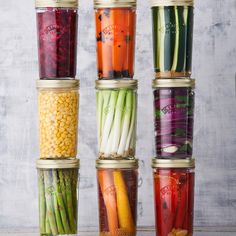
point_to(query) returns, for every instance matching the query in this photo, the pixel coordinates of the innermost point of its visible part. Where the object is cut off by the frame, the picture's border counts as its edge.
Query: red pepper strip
(182, 201)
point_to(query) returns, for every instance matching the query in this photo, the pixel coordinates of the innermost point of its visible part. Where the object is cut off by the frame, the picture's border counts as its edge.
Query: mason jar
(115, 35)
(57, 38)
(117, 197)
(172, 22)
(58, 196)
(58, 118)
(174, 196)
(173, 117)
(116, 118)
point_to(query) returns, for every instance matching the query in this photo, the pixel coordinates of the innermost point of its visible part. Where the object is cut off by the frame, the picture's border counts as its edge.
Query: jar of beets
(174, 196)
(57, 38)
(115, 35)
(173, 117)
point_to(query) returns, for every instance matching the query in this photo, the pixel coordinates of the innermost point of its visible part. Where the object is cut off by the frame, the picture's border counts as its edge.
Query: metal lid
(57, 84)
(112, 84)
(58, 164)
(173, 83)
(167, 163)
(56, 3)
(114, 3)
(113, 164)
(165, 3)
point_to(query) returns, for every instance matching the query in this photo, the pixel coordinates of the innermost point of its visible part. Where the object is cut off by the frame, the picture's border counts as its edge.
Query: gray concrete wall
(215, 123)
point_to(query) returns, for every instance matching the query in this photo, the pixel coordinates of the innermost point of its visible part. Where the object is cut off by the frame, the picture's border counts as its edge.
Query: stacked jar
(58, 104)
(173, 91)
(116, 98)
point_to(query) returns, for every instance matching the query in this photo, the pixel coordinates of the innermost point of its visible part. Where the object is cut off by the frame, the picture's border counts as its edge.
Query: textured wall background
(215, 126)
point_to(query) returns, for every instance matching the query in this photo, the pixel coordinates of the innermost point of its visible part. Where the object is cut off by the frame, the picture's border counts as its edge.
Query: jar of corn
(58, 118)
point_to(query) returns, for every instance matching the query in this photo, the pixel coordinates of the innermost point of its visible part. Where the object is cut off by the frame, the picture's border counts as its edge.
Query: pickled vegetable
(115, 33)
(57, 42)
(116, 118)
(117, 202)
(58, 117)
(58, 201)
(174, 200)
(174, 117)
(172, 40)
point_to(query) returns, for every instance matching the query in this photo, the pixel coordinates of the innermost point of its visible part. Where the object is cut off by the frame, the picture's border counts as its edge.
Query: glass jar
(57, 38)
(174, 196)
(172, 37)
(116, 118)
(173, 117)
(117, 193)
(115, 35)
(58, 118)
(58, 196)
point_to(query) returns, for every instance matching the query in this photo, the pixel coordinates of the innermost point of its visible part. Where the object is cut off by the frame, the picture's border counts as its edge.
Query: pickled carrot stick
(123, 206)
(126, 45)
(106, 183)
(131, 43)
(106, 59)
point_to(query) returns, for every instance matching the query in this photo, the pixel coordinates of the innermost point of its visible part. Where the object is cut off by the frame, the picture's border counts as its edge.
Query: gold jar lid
(58, 164)
(56, 3)
(114, 3)
(173, 83)
(113, 84)
(178, 163)
(117, 164)
(41, 84)
(166, 3)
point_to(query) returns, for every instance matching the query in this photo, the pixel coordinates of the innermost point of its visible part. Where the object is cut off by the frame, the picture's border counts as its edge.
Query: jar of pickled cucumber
(58, 102)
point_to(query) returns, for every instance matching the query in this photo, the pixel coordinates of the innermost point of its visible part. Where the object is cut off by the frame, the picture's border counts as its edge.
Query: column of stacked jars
(58, 104)
(173, 91)
(116, 117)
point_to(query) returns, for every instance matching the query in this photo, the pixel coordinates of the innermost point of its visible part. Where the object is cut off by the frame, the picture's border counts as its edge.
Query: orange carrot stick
(105, 178)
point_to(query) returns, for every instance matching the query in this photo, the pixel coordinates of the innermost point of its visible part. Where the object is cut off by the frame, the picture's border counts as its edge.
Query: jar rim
(56, 3)
(166, 3)
(58, 164)
(41, 84)
(173, 163)
(114, 164)
(112, 84)
(114, 3)
(173, 83)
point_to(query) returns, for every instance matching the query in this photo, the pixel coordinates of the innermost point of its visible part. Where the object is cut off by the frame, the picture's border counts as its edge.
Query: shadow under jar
(172, 22)
(173, 117)
(57, 38)
(58, 196)
(116, 118)
(117, 193)
(58, 118)
(174, 196)
(115, 35)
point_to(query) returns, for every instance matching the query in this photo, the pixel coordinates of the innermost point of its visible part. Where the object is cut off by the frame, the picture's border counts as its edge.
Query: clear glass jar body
(116, 122)
(58, 122)
(58, 201)
(117, 192)
(174, 201)
(173, 119)
(115, 34)
(57, 42)
(172, 40)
